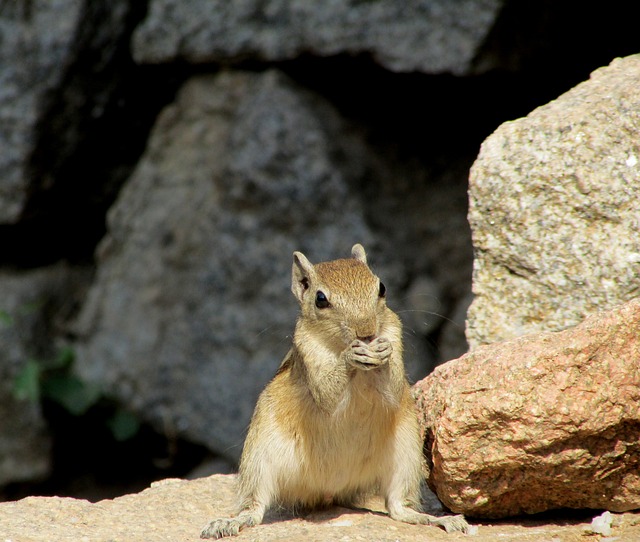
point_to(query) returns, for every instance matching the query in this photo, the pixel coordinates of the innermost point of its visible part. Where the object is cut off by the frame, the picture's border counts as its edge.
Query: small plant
(54, 380)
(5, 318)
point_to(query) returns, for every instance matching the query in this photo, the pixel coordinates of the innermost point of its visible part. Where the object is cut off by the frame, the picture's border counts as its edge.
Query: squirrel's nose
(365, 329)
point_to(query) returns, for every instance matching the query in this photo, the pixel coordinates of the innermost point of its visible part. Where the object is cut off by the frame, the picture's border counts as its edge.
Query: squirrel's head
(342, 299)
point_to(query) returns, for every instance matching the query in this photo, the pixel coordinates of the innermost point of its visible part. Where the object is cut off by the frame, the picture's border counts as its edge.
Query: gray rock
(554, 210)
(35, 48)
(428, 35)
(191, 310)
(57, 76)
(31, 302)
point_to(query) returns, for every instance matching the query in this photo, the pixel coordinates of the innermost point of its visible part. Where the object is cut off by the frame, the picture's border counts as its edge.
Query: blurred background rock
(161, 160)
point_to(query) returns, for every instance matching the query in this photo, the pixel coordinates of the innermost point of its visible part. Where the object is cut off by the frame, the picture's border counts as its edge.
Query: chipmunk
(337, 422)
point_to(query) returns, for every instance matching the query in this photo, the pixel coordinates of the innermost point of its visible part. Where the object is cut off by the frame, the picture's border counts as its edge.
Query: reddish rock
(543, 421)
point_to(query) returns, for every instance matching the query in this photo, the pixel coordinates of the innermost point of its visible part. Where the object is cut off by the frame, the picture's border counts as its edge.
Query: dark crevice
(560, 42)
(88, 463)
(93, 130)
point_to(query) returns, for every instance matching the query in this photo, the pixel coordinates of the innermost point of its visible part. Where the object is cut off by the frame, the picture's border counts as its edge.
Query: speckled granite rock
(545, 421)
(554, 210)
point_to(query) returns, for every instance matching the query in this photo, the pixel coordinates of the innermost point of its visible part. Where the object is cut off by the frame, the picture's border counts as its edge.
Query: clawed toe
(220, 528)
(453, 524)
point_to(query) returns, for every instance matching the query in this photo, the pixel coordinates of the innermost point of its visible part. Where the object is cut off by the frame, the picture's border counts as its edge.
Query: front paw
(453, 524)
(370, 355)
(219, 528)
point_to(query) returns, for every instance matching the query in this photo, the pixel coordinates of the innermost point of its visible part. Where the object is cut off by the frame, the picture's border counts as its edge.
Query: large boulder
(549, 420)
(554, 210)
(431, 36)
(191, 310)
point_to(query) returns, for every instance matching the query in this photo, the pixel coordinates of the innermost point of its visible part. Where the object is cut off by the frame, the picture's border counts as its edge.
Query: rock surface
(35, 47)
(540, 422)
(190, 311)
(30, 303)
(554, 210)
(57, 77)
(176, 510)
(428, 36)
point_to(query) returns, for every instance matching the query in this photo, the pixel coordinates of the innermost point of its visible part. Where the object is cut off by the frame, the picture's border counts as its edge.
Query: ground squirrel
(337, 422)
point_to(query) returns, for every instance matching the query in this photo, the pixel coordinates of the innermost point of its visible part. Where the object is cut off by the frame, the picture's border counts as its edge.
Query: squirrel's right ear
(302, 274)
(357, 252)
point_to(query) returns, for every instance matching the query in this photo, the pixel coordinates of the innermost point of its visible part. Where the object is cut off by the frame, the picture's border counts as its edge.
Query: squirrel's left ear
(302, 275)
(358, 253)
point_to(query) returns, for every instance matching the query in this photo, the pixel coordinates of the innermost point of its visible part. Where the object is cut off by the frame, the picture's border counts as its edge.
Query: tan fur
(337, 422)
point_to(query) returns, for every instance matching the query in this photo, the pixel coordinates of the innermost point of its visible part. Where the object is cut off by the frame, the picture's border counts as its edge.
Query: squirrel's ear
(358, 253)
(302, 274)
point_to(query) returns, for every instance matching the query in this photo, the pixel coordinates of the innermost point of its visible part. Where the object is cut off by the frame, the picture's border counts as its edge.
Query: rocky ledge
(174, 510)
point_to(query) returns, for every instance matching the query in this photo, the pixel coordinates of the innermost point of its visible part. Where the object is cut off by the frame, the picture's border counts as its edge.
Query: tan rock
(175, 511)
(539, 422)
(553, 207)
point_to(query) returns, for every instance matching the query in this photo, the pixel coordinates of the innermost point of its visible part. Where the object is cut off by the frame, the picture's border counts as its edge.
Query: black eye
(383, 290)
(321, 300)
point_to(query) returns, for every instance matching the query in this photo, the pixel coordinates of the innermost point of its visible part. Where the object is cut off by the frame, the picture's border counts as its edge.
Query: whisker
(265, 330)
(430, 313)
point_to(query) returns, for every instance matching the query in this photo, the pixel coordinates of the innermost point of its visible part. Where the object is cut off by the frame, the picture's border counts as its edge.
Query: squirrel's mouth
(349, 334)
(367, 366)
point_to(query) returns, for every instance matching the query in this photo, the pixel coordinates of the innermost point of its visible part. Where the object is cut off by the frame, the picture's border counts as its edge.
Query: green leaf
(30, 308)
(26, 385)
(65, 358)
(123, 425)
(71, 393)
(5, 318)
